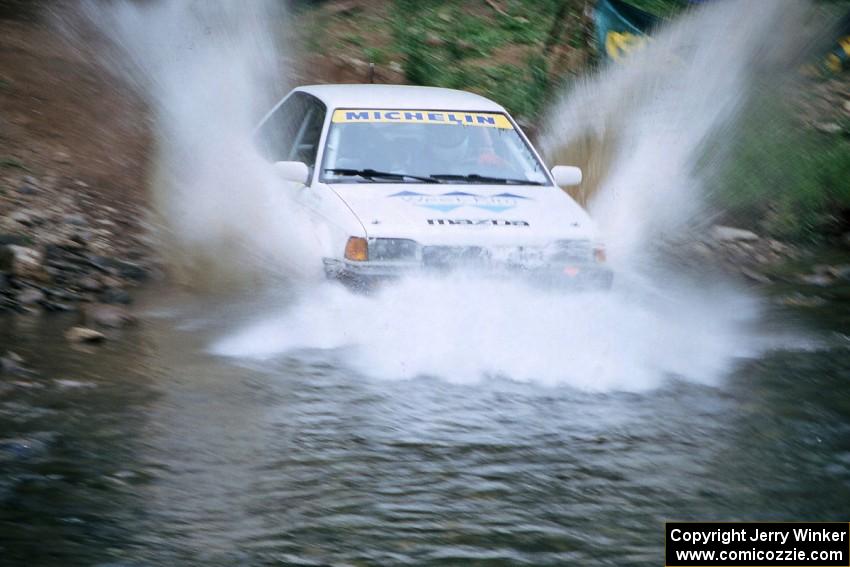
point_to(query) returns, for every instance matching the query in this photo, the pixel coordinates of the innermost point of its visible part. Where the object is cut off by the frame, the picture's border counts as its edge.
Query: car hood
(466, 214)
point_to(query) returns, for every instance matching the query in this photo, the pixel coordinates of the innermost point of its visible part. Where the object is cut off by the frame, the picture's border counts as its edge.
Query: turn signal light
(357, 249)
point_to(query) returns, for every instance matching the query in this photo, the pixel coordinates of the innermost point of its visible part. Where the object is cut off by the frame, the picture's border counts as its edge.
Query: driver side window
(293, 130)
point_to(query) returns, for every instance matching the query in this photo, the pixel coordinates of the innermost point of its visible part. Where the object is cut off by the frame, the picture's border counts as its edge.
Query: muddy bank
(73, 157)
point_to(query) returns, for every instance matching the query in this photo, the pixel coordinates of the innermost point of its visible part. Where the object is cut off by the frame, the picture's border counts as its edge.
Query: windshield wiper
(476, 178)
(372, 173)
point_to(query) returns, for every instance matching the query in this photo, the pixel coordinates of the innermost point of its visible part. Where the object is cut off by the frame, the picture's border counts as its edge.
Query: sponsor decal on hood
(479, 222)
(447, 202)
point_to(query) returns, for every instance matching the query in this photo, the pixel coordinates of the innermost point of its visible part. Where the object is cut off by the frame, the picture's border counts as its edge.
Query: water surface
(152, 451)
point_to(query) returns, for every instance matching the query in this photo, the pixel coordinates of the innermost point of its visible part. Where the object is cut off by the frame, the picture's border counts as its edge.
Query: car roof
(399, 96)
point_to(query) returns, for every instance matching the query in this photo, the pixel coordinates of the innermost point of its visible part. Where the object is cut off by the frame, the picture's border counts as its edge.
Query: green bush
(790, 178)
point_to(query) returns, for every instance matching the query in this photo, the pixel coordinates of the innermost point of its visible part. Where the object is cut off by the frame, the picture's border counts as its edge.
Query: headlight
(383, 249)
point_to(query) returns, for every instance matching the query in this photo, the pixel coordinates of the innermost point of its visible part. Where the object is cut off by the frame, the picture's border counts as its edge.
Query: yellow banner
(482, 119)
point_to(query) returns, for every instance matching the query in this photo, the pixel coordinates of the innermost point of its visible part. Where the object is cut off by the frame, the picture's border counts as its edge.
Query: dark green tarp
(620, 27)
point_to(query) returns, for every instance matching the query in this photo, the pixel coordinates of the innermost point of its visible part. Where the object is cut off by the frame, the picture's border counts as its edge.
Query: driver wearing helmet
(455, 150)
(449, 148)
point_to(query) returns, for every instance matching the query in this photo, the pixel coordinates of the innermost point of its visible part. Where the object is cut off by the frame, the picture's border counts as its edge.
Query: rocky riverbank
(73, 155)
(60, 248)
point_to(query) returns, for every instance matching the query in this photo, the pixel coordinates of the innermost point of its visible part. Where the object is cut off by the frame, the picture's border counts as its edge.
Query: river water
(441, 423)
(154, 449)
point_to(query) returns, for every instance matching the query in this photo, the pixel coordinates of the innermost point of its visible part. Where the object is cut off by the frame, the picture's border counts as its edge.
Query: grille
(573, 251)
(451, 256)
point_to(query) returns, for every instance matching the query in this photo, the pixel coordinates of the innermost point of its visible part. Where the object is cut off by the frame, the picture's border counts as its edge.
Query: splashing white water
(661, 106)
(209, 70)
(651, 117)
(463, 330)
(204, 67)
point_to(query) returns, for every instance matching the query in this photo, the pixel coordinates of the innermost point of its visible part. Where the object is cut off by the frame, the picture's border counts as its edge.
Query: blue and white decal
(458, 199)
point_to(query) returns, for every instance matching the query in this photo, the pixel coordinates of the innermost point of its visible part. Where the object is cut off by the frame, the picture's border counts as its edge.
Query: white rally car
(402, 178)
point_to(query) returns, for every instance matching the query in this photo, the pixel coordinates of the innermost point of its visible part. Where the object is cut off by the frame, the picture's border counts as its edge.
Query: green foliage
(794, 180)
(528, 21)
(444, 45)
(13, 163)
(522, 90)
(354, 39)
(375, 55)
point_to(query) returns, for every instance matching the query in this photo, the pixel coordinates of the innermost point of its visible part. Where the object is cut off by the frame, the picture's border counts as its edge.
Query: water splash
(649, 121)
(641, 128)
(468, 329)
(206, 69)
(209, 70)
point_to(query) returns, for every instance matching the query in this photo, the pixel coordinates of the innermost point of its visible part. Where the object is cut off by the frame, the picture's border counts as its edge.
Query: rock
(464, 45)
(7, 258)
(89, 283)
(847, 105)
(12, 364)
(64, 294)
(755, 276)
(31, 296)
(14, 449)
(343, 8)
(28, 263)
(109, 281)
(433, 40)
(115, 295)
(799, 300)
(62, 157)
(75, 219)
(59, 307)
(731, 234)
(778, 247)
(68, 267)
(820, 280)
(123, 268)
(16, 239)
(27, 189)
(840, 272)
(67, 384)
(828, 127)
(108, 316)
(25, 217)
(84, 335)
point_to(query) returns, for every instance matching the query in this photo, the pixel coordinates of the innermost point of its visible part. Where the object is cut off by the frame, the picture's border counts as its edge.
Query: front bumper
(368, 275)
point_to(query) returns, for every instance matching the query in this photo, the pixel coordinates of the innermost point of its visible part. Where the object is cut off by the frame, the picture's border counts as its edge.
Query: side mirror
(566, 175)
(295, 171)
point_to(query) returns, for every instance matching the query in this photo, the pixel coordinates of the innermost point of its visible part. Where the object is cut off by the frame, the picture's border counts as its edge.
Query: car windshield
(427, 146)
